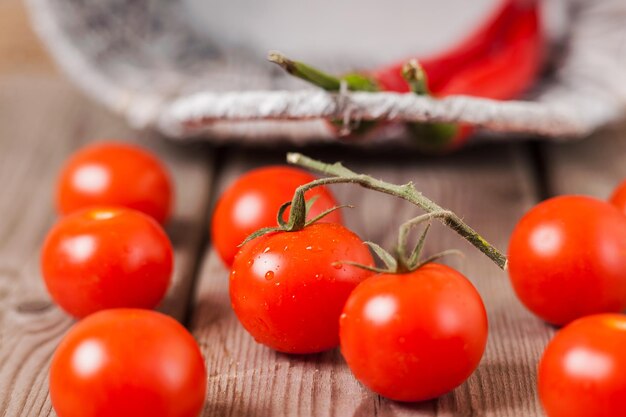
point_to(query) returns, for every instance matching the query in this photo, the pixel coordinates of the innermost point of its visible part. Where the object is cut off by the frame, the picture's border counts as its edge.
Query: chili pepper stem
(305, 72)
(348, 82)
(337, 173)
(416, 77)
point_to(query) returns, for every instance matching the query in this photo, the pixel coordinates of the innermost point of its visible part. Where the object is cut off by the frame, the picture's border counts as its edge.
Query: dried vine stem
(337, 173)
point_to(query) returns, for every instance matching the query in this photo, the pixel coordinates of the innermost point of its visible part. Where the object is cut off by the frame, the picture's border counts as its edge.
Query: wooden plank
(593, 166)
(491, 188)
(20, 50)
(42, 121)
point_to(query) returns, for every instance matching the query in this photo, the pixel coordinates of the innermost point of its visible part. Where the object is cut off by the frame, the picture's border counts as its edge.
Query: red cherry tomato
(583, 370)
(288, 290)
(127, 363)
(567, 259)
(103, 258)
(115, 174)
(618, 199)
(252, 202)
(415, 336)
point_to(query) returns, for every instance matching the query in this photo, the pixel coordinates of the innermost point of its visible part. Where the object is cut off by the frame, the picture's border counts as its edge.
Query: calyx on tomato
(336, 173)
(297, 220)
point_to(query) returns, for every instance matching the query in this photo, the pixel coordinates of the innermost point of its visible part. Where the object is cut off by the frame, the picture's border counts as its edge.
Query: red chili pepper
(508, 48)
(499, 61)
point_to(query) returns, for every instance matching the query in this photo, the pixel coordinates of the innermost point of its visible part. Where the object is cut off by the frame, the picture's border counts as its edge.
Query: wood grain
(41, 122)
(20, 50)
(490, 188)
(594, 166)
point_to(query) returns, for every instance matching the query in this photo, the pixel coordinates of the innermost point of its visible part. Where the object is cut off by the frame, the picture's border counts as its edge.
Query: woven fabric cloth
(145, 60)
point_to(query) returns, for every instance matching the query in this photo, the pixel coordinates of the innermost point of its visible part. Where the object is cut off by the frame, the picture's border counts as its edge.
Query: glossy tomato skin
(101, 258)
(583, 370)
(618, 198)
(115, 174)
(414, 336)
(567, 259)
(288, 291)
(252, 203)
(127, 363)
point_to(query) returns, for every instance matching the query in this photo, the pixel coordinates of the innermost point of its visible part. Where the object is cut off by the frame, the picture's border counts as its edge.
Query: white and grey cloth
(147, 60)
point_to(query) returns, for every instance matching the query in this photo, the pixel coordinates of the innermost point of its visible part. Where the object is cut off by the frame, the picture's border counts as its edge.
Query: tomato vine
(337, 174)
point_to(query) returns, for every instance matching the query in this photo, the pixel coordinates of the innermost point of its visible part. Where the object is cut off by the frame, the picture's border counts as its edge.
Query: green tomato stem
(337, 173)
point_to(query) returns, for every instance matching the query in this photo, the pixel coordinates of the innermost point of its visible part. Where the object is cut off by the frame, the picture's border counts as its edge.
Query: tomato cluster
(301, 282)
(108, 261)
(408, 336)
(416, 334)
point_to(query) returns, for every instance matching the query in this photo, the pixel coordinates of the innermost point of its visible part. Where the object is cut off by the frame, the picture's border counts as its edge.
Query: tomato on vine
(566, 259)
(115, 174)
(288, 287)
(418, 329)
(583, 369)
(127, 363)
(414, 336)
(414, 332)
(102, 258)
(618, 198)
(252, 202)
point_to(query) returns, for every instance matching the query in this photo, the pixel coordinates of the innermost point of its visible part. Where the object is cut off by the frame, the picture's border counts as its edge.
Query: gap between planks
(594, 166)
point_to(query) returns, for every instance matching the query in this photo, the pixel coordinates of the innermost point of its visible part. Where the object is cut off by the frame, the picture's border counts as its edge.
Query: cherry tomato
(115, 174)
(567, 259)
(618, 199)
(101, 258)
(414, 336)
(252, 202)
(127, 363)
(583, 370)
(288, 288)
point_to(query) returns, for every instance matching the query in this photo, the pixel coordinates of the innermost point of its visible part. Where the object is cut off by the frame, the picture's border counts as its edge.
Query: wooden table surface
(43, 120)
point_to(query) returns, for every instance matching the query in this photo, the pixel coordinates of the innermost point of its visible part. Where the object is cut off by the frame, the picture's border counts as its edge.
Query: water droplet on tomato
(337, 265)
(267, 249)
(250, 262)
(285, 248)
(269, 275)
(309, 247)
